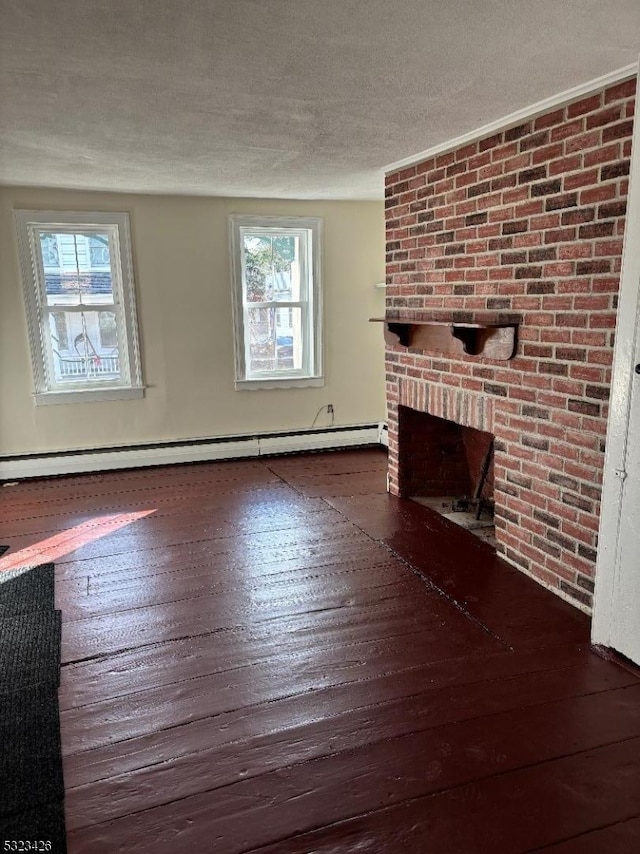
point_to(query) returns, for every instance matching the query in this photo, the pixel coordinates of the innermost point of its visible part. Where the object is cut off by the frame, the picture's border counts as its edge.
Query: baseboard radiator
(19, 467)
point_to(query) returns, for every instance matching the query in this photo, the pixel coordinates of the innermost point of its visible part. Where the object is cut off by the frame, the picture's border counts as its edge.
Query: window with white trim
(77, 278)
(276, 272)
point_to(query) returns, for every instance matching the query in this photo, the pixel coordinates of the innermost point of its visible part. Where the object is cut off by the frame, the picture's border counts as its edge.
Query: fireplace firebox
(449, 467)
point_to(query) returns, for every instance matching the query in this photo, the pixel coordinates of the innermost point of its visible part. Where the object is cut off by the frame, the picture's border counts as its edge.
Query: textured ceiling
(281, 98)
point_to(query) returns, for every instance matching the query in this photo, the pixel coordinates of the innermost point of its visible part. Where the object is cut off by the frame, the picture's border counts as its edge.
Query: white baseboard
(22, 467)
(383, 434)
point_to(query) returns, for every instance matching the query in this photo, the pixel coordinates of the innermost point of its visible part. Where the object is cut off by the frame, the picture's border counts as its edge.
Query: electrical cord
(324, 406)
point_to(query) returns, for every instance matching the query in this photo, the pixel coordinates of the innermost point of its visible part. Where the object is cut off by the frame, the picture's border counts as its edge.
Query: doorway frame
(608, 569)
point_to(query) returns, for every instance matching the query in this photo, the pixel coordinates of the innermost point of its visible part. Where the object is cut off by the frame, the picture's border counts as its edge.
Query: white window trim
(314, 375)
(49, 398)
(26, 222)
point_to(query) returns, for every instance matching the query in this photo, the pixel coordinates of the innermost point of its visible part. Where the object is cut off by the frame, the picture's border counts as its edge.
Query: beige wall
(181, 258)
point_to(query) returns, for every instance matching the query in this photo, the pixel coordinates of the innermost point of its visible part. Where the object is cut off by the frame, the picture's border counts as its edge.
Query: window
(277, 301)
(77, 278)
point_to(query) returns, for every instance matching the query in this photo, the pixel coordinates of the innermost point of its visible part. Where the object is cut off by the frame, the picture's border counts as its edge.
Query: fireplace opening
(449, 468)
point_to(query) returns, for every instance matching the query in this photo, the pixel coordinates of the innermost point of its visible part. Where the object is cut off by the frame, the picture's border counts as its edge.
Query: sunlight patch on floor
(68, 541)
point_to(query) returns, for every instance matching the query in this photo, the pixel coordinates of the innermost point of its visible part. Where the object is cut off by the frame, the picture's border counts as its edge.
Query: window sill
(89, 395)
(261, 385)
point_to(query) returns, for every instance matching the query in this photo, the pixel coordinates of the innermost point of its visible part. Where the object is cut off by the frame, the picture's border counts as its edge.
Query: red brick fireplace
(524, 227)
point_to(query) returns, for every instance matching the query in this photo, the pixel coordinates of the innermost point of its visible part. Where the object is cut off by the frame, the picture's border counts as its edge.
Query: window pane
(275, 339)
(271, 267)
(60, 333)
(108, 329)
(88, 357)
(49, 246)
(99, 250)
(69, 261)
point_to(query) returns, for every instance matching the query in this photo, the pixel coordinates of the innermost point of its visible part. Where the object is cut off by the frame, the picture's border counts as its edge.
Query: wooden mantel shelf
(489, 340)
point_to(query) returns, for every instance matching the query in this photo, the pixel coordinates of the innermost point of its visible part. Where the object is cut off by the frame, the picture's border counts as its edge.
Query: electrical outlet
(329, 408)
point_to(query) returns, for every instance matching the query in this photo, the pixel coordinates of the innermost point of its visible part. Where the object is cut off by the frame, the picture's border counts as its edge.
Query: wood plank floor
(276, 656)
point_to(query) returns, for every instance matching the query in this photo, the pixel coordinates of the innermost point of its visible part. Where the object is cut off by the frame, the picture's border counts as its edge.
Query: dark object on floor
(460, 505)
(31, 783)
(4, 549)
(30, 767)
(23, 590)
(29, 650)
(45, 823)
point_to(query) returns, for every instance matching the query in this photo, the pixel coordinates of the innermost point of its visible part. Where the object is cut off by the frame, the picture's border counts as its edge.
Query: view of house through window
(75, 295)
(272, 276)
(277, 298)
(78, 282)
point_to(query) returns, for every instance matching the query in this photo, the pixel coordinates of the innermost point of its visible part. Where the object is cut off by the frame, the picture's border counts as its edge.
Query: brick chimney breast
(529, 221)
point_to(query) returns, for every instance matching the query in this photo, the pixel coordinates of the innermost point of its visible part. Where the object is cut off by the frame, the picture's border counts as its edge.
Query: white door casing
(616, 614)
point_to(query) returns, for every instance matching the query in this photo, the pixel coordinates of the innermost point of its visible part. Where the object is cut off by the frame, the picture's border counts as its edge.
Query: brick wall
(528, 225)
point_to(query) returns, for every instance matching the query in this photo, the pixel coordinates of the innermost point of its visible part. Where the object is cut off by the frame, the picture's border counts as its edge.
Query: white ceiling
(280, 98)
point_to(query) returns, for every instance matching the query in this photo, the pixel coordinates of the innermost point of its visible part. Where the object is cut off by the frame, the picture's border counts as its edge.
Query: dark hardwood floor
(276, 656)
